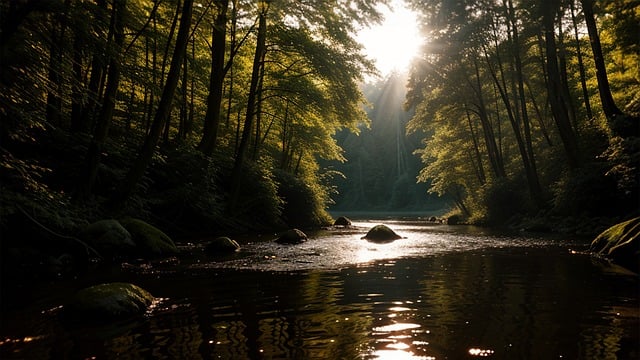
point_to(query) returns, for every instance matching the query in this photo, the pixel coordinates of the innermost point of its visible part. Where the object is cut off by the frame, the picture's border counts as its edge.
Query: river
(442, 292)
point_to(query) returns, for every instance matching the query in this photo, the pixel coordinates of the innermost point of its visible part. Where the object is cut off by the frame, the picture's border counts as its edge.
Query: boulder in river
(149, 240)
(621, 244)
(293, 236)
(107, 302)
(381, 233)
(108, 237)
(342, 221)
(221, 245)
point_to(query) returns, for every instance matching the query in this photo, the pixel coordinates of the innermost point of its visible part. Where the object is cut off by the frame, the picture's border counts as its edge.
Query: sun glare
(395, 42)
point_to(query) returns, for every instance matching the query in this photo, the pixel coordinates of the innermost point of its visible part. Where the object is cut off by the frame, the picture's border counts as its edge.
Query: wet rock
(149, 240)
(108, 237)
(293, 236)
(381, 233)
(107, 302)
(621, 244)
(342, 221)
(454, 220)
(221, 245)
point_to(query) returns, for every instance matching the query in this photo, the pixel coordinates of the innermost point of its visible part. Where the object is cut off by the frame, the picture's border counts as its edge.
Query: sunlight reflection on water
(335, 249)
(443, 292)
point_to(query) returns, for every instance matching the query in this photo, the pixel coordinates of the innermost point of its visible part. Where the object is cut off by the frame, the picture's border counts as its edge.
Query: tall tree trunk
(98, 66)
(108, 103)
(611, 111)
(77, 86)
(56, 53)
(161, 116)
(528, 158)
(583, 76)
(256, 145)
(554, 87)
(251, 109)
(174, 24)
(476, 150)
(495, 157)
(216, 80)
(564, 77)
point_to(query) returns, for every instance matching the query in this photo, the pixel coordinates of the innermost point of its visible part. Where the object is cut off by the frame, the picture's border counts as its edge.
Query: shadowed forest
(250, 115)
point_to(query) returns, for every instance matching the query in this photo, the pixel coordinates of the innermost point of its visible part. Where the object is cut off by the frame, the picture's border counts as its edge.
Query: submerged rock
(107, 302)
(342, 221)
(108, 237)
(221, 245)
(149, 240)
(381, 233)
(293, 236)
(621, 244)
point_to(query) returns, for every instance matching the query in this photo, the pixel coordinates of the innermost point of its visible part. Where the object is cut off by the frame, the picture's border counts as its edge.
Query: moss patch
(150, 240)
(621, 243)
(108, 302)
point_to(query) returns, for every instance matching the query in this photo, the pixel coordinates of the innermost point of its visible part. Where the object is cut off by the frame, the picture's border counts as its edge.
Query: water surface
(443, 292)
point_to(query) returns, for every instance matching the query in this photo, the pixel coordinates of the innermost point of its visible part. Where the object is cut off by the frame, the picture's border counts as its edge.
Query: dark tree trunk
(608, 104)
(251, 111)
(216, 80)
(526, 149)
(554, 86)
(98, 65)
(108, 104)
(583, 76)
(162, 114)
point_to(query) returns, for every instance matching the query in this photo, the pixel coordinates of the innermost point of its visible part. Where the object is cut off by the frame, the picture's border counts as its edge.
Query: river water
(442, 292)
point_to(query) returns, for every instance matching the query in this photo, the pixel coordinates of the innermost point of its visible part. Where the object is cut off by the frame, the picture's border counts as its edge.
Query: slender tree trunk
(256, 145)
(526, 152)
(609, 107)
(162, 114)
(165, 57)
(77, 86)
(495, 157)
(216, 80)
(251, 109)
(583, 77)
(184, 101)
(554, 86)
(476, 149)
(108, 104)
(56, 53)
(98, 65)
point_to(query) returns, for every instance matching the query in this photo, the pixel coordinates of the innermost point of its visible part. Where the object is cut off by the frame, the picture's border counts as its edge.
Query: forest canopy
(217, 114)
(531, 106)
(208, 113)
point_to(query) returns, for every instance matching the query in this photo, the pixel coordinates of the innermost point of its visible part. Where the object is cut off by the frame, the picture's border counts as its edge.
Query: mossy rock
(221, 245)
(620, 243)
(293, 236)
(381, 233)
(107, 302)
(342, 221)
(149, 240)
(108, 237)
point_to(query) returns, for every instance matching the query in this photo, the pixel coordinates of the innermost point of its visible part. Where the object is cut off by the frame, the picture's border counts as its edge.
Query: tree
(141, 163)
(608, 104)
(216, 82)
(109, 102)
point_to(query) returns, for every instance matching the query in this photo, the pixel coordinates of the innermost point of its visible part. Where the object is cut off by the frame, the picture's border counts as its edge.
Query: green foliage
(466, 97)
(303, 201)
(587, 191)
(259, 207)
(498, 201)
